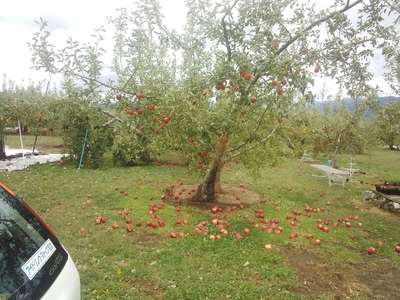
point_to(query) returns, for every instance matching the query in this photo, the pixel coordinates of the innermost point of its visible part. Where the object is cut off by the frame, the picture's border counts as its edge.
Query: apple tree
(220, 89)
(339, 127)
(387, 124)
(19, 104)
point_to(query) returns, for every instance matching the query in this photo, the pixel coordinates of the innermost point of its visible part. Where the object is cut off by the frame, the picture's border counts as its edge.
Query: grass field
(46, 143)
(147, 263)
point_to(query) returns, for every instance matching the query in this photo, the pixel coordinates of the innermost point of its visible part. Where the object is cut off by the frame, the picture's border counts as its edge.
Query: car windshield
(27, 251)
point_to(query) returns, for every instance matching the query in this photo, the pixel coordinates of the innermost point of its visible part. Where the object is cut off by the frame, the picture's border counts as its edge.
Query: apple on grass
(267, 247)
(238, 237)
(371, 250)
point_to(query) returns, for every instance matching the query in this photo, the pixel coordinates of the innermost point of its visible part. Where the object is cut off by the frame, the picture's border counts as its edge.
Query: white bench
(331, 173)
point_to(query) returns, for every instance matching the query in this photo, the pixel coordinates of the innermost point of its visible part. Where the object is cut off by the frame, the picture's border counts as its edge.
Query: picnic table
(331, 173)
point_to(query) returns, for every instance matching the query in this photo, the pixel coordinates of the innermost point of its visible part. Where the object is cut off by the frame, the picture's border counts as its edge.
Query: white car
(33, 262)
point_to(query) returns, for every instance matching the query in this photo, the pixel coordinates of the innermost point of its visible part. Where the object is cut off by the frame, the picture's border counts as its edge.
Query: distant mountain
(350, 102)
(384, 100)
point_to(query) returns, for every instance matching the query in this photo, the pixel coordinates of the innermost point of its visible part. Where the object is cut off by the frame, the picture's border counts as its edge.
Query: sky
(78, 20)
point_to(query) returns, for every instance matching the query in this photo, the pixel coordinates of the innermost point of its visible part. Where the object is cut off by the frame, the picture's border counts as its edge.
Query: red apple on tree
(118, 97)
(247, 76)
(139, 96)
(129, 111)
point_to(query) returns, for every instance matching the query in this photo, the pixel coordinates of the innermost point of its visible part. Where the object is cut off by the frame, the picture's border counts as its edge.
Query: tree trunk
(2, 148)
(206, 190)
(333, 158)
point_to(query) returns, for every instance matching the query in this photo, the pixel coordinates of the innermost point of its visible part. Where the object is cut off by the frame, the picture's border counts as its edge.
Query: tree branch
(252, 147)
(228, 46)
(316, 23)
(347, 7)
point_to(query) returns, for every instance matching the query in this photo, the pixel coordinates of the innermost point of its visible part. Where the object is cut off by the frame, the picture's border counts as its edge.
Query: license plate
(38, 260)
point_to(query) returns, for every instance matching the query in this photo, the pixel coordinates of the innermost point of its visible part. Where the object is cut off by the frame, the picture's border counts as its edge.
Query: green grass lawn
(147, 264)
(46, 143)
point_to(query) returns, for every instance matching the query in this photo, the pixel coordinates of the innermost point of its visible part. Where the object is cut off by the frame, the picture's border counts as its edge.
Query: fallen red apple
(115, 225)
(317, 242)
(371, 250)
(82, 230)
(238, 237)
(267, 247)
(129, 228)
